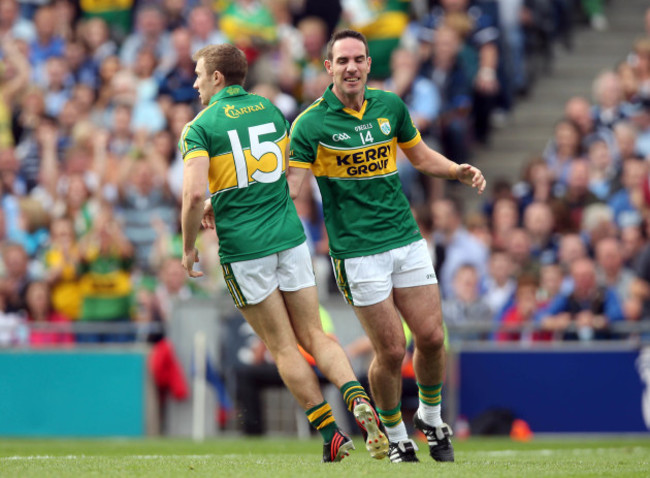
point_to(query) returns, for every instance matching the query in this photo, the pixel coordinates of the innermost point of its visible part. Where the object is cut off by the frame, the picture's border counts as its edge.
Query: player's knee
(432, 341)
(392, 355)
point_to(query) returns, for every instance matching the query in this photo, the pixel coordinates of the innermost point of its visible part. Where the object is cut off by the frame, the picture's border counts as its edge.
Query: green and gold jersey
(245, 137)
(353, 155)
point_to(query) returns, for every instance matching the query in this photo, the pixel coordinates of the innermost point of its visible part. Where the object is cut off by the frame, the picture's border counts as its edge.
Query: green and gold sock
(392, 420)
(351, 391)
(392, 417)
(430, 395)
(430, 400)
(322, 419)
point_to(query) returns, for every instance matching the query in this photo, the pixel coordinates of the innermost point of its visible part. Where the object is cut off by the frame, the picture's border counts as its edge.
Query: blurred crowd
(94, 95)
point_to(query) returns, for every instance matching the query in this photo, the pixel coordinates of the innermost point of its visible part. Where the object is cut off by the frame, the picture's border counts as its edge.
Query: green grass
(232, 457)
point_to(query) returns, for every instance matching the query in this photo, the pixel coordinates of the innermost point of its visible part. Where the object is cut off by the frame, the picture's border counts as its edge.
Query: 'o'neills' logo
(232, 112)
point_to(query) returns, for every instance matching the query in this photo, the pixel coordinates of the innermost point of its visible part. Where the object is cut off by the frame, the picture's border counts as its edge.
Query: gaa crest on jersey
(384, 125)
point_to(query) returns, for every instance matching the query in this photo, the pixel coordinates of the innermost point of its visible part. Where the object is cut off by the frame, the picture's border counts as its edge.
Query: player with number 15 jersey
(254, 215)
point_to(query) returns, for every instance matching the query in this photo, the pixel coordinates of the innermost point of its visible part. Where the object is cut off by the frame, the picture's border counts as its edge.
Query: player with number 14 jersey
(353, 155)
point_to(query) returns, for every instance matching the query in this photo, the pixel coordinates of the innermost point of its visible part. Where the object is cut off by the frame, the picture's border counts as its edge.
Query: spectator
(466, 309)
(285, 103)
(482, 41)
(383, 24)
(175, 13)
(602, 171)
(536, 184)
(61, 260)
(520, 252)
(146, 80)
(625, 134)
(640, 287)
(586, 312)
(116, 14)
(612, 273)
(149, 33)
(577, 196)
(579, 110)
(449, 74)
(17, 277)
(641, 119)
(179, 115)
(13, 330)
(563, 149)
(46, 324)
(640, 60)
(518, 323)
(13, 25)
(505, 218)
(629, 83)
(632, 243)
(144, 198)
(81, 67)
(627, 203)
(58, 85)
(461, 248)
(105, 282)
(597, 223)
(572, 248)
(178, 81)
(551, 277)
(539, 223)
(76, 202)
(203, 29)
(146, 117)
(500, 285)
(13, 83)
(250, 26)
(95, 35)
(314, 35)
(422, 99)
(608, 96)
(420, 94)
(47, 43)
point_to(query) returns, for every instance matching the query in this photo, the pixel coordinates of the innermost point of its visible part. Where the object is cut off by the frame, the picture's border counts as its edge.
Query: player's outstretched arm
(432, 163)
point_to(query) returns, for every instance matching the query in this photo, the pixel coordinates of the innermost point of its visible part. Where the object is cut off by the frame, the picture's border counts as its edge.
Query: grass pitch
(285, 457)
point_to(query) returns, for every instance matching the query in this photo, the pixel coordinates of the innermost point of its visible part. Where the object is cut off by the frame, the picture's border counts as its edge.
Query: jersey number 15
(257, 150)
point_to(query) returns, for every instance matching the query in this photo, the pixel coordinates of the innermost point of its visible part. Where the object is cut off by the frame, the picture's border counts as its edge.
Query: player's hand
(189, 259)
(472, 176)
(207, 220)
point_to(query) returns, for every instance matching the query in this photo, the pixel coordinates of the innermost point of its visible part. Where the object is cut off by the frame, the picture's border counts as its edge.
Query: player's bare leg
(334, 364)
(384, 328)
(271, 322)
(420, 307)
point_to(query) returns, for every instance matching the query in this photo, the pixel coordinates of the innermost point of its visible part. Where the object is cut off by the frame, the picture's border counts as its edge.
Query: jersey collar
(335, 103)
(232, 90)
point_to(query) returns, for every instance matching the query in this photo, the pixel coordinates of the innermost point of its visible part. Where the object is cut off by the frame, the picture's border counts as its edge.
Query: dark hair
(340, 35)
(225, 58)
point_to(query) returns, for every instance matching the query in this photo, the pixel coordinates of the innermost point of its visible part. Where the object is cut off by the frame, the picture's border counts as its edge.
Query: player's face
(204, 82)
(349, 67)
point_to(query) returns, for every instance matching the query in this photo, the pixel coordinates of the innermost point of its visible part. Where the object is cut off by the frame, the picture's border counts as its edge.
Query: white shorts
(252, 281)
(368, 280)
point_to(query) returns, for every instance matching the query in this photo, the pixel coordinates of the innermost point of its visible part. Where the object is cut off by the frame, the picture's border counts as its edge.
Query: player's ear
(328, 66)
(369, 64)
(217, 76)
